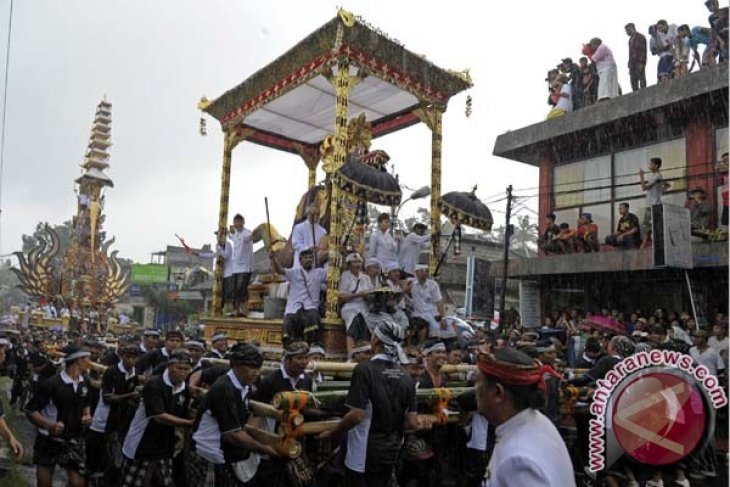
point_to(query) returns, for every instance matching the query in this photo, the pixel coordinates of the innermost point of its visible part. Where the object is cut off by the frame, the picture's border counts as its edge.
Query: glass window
(567, 216)
(721, 142)
(627, 163)
(573, 182)
(601, 216)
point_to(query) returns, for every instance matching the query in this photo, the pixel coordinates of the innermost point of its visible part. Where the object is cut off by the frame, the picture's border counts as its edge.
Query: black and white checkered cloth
(147, 473)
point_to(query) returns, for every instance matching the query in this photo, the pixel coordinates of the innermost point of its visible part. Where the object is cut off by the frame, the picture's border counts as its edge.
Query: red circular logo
(659, 418)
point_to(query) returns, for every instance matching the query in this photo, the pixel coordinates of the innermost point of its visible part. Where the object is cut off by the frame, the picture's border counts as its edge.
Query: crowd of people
(595, 78)
(631, 233)
(149, 410)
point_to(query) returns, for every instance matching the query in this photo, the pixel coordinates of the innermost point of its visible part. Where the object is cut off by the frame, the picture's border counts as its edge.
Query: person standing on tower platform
(241, 258)
(309, 234)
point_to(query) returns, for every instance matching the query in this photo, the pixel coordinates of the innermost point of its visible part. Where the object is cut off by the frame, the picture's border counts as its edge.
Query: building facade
(589, 161)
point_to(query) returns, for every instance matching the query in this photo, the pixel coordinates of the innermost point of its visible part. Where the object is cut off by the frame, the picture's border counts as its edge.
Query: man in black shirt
(150, 443)
(61, 412)
(547, 241)
(628, 232)
(154, 362)
(290, 377)
(382, 402)
(41, 365)
(219, 436)
(219, 344)
(119, 400)
(150, 340)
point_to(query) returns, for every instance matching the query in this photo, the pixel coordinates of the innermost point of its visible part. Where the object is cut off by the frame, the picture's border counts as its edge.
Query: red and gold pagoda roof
(290, 101)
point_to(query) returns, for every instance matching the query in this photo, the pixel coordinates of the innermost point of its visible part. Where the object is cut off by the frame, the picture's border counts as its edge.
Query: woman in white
(606, 67)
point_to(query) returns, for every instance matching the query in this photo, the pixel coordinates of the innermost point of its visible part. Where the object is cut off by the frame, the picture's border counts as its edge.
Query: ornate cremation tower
(89, 281)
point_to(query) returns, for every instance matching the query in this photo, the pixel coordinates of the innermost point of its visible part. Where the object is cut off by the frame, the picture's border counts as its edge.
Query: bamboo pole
(268, 411)
(285, 446)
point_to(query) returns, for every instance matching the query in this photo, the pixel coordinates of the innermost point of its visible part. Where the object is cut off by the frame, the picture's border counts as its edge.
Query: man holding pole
(308, 234)
(301, 316)
(219, 434)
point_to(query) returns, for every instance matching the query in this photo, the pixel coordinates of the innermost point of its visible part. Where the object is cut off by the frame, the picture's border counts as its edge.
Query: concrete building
(589, 162)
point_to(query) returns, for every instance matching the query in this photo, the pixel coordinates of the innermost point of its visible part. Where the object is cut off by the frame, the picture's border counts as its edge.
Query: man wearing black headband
(150, 443)
(60, 410)
(219, 436)
(382, 402)
(289, 377)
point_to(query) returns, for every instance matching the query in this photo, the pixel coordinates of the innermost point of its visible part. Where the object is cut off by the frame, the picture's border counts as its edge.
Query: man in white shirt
(719, 340)
(528, 448)
(428, 306)
(240, 258)
(666, 36)
(354, 285)
(411, 248)
(309, 234)
(654, 185)
(301, 316)
(705, 355)
(382, 246)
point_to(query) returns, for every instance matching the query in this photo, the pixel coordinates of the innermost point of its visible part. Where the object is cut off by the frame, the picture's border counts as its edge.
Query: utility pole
(507, 235)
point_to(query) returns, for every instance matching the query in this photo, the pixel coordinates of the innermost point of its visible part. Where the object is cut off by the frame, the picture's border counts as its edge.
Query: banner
(530, 304)
(479, 298)
(145, 274)
(671, 234)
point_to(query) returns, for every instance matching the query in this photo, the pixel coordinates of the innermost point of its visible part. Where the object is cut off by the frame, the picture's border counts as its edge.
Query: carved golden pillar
(343, 82)
(432, 115)
(231, 140)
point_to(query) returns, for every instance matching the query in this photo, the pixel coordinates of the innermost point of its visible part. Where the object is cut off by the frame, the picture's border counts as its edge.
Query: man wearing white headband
(219, 346)
(428, 306)
(353, 287)
(309, 235)
(435, 352)
(61, 411)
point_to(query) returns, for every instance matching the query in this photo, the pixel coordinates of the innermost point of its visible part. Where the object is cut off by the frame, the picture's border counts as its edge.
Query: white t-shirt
(565, 102)
(655, 188)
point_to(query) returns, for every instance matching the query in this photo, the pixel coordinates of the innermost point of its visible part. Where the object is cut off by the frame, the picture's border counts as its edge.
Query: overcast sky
(154, 59)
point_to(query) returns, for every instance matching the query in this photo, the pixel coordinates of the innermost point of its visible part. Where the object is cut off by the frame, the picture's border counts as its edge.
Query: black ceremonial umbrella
(466, 209)
(365, 178)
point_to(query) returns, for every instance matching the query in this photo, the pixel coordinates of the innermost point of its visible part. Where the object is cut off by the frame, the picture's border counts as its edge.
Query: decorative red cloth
(517, 375)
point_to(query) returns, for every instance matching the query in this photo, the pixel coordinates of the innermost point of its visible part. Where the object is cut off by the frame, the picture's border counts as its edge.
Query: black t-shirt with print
(228, 408)
(392, 394)
(628, 222)
(57, 400)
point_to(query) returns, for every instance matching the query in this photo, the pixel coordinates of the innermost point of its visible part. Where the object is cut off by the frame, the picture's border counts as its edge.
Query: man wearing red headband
(529, 449)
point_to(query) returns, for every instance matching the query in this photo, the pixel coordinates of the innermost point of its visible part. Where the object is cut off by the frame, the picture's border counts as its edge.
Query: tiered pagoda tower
(90, 281)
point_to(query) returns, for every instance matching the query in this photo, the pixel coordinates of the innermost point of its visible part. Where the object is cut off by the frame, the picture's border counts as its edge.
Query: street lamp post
(416, 195)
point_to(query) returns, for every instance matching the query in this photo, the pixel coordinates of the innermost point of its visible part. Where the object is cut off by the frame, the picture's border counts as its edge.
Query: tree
(524, 236)
(167, 310)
